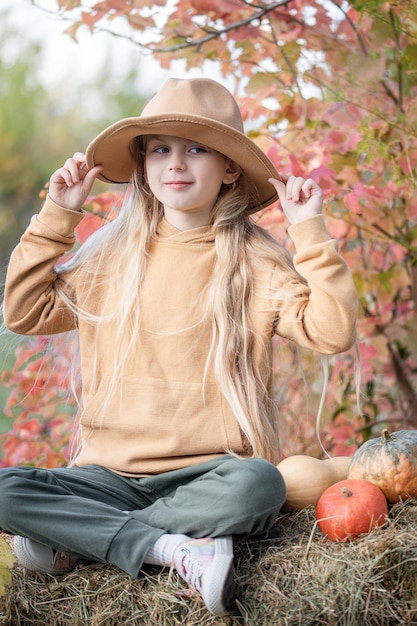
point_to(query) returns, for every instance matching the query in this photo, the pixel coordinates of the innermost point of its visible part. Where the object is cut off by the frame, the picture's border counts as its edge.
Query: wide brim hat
(199, 109)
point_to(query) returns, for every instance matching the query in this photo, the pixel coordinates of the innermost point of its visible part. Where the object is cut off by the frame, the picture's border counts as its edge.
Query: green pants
(100, 515)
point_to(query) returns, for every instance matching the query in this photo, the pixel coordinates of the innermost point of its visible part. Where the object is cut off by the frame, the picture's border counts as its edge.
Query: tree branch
(400, 100)
(404, 385)
(219, 32)
(352, 25)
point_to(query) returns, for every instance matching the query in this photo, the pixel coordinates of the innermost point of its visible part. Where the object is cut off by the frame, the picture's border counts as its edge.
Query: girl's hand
(71, 184)
(300, 198)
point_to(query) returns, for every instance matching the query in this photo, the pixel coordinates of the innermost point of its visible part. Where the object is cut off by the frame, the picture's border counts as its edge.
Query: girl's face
(186, 177)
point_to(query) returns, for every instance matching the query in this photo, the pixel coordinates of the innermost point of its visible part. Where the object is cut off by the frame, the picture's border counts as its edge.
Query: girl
(175, 303)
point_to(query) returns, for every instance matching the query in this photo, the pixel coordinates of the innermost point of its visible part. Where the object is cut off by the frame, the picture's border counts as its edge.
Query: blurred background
(55, 95)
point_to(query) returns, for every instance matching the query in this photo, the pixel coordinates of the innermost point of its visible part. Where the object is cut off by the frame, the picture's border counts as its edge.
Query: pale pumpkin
(350, 508)
(306, 478)
(339, 466)
(390, 463)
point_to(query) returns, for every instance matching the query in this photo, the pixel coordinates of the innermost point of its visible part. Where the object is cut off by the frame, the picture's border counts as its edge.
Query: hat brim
(112, 149)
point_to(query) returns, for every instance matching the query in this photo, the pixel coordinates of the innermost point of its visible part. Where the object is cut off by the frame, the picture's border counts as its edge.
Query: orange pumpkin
(390, 463)
(350, 508)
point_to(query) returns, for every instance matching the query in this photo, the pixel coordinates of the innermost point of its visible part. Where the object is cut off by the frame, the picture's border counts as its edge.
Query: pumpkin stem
(385, 435)
(346, 492)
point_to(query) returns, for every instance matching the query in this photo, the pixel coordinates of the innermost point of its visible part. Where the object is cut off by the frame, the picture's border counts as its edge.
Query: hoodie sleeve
(31, 305)
(321, 312)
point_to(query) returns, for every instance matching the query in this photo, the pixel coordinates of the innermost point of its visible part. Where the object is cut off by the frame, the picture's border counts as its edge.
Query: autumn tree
(328, 89)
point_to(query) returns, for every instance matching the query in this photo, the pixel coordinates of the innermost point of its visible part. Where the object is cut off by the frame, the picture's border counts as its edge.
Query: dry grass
(292, 576)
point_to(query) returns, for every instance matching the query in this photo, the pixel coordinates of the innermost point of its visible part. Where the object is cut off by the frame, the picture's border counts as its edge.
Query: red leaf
(88, 226)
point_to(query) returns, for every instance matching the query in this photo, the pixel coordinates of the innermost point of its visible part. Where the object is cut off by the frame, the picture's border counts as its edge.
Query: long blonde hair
(121, 249)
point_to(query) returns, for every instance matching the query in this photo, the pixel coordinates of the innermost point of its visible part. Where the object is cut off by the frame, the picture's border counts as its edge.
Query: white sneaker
(207, 565)
(39, 558)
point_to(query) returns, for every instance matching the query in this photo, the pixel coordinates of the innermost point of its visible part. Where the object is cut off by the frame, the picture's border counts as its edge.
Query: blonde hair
(121, 249)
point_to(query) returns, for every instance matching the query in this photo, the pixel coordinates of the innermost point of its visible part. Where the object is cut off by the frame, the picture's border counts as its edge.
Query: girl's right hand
(70, 185)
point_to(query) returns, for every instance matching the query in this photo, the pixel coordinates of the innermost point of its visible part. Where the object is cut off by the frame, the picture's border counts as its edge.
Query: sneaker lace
(192, 570)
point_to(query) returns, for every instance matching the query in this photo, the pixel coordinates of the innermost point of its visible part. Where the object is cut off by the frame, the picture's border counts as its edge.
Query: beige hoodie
(162, 418)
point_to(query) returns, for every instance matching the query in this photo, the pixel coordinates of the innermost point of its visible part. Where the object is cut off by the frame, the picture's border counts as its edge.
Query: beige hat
(199, 109)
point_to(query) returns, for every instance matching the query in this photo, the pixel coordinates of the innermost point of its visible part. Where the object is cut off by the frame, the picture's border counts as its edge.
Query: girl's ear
(233, 171)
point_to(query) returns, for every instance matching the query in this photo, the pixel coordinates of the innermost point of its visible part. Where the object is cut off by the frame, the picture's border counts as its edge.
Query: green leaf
(7, 560)
(366, 5)
(259, 81)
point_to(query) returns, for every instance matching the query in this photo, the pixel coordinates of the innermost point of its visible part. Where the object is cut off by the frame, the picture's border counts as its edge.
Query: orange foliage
(40, 405)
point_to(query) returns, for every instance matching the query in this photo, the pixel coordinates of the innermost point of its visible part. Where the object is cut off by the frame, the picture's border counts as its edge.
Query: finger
(62, 175)
(308, 186)
(76, 163)
(278, 184)
(79, 158)
(290, 187)
(295, 189)
(72, 167)
(77, 167)
(92, 174)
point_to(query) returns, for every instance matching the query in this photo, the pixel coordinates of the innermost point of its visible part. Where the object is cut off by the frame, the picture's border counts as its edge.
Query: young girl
(175, 303)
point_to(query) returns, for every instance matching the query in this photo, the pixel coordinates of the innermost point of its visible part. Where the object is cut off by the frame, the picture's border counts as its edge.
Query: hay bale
(291, 576)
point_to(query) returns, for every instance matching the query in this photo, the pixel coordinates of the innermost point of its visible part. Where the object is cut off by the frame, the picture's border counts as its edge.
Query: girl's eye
(161, 149)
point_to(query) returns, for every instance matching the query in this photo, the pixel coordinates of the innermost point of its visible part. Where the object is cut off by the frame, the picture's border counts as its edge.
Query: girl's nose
(176, 162)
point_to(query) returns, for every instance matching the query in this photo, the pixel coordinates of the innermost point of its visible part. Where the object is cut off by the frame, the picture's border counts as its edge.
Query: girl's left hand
(300, 198)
